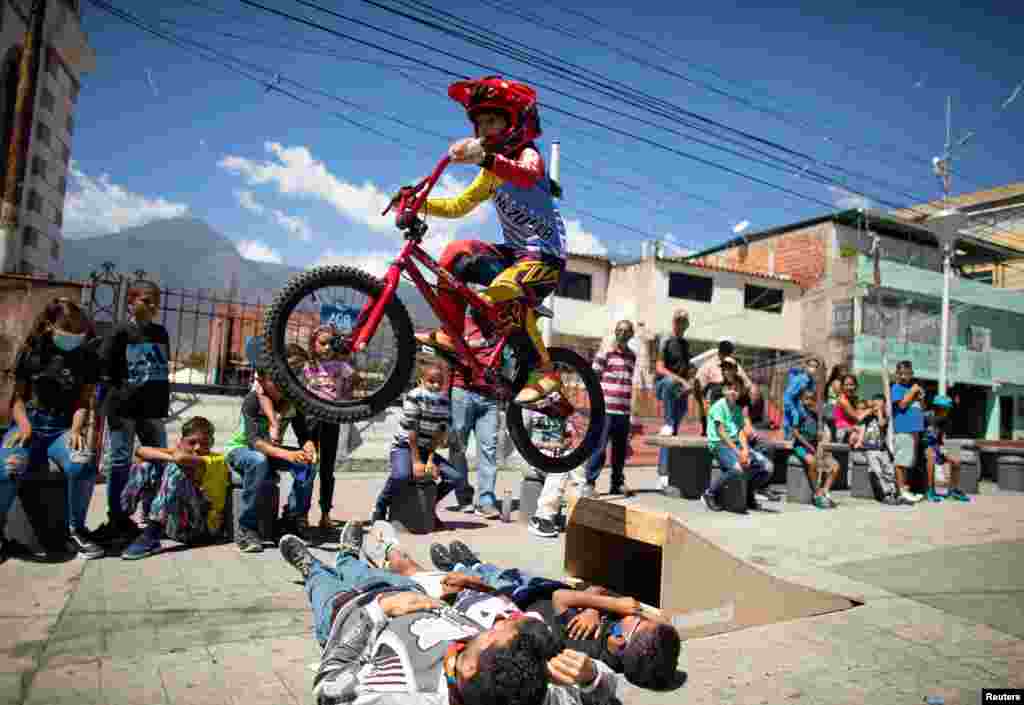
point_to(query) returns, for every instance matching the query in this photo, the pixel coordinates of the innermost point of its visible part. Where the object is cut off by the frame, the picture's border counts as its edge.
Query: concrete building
(759, 311)
(994, 214)
(66, 55)
(841, 322)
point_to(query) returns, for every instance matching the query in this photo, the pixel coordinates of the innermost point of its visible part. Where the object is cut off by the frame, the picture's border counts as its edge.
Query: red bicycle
(375, 332)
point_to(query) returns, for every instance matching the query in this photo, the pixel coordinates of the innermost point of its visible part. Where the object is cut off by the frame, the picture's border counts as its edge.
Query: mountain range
(186, 254)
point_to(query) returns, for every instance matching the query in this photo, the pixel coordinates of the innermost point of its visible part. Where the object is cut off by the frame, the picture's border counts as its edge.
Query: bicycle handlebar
(411, 199)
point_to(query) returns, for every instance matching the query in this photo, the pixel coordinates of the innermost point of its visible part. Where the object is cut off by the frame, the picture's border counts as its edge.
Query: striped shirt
(424, 413)
(616, 367)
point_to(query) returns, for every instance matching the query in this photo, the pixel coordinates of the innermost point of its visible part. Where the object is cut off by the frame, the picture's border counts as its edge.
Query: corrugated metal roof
(966, 201)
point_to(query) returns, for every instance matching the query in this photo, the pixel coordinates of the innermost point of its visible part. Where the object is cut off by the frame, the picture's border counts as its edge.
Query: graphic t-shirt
(55, 377)
(731, 419)
(134, 359)
(874, 435)
(424, 413)
(909, 420)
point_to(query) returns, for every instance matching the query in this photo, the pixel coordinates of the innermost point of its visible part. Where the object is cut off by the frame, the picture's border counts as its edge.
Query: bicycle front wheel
(374, 378)
(560, 436)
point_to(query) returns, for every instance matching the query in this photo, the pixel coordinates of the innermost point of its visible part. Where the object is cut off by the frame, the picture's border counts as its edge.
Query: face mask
(68, 341)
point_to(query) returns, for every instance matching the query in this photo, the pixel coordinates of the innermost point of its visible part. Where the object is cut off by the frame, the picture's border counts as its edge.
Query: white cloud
(294, 171)
(582, 242)
(847, 199)
(248, 201)
(97, 206)
(296, 225)
(258, 251)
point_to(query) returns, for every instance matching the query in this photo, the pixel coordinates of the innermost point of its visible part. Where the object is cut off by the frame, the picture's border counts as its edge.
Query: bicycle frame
(407, 220)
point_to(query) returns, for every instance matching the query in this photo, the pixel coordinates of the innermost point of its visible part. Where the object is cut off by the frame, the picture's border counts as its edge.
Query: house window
(46, 100)
(35, 201)
(760, 298)
(574, 285)
(690, 287)
(42, 132)
(38, 166)
(30, 236)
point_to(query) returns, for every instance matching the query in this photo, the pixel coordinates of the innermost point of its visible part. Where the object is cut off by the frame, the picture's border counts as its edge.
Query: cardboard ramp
(656, 558)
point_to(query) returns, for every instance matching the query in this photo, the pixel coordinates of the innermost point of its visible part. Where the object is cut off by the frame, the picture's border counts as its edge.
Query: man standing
(615, 364)
(671, 386)
(475, 410)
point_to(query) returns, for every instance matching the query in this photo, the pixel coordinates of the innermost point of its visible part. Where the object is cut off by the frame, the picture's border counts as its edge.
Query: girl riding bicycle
(530, 261)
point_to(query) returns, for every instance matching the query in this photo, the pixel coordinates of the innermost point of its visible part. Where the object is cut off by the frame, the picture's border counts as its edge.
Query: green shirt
(730, 418)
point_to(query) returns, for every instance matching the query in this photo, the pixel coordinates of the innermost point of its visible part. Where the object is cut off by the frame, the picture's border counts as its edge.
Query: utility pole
(17, 157)
(946, 227)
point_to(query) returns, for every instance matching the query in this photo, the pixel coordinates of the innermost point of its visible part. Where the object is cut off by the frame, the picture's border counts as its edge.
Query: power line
(480, 36)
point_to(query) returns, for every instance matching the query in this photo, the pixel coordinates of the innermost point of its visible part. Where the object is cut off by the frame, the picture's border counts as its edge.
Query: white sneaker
(666, 430)
(911, 497)
(662, 481)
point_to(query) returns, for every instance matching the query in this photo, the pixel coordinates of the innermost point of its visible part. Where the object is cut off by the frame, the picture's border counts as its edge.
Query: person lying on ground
(386, 642)
(616, 630)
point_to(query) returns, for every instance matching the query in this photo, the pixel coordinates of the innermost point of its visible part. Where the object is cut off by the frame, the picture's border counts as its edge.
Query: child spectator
(549, 435)
(846, 415)
(330, 376)
(908, 423)
(426, 418)
(805, 447)
(880, 465)
(133, 361)
(55, 378)
(253, 454)
(296, 354)
(934, 437)
(615, 365)
(730, 438)
(186, 488)
(800, 378)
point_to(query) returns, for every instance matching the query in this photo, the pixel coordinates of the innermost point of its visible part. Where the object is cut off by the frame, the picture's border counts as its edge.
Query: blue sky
(161, 132)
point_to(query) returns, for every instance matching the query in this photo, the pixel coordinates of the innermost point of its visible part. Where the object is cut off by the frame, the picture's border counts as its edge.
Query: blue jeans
(349, 573)
(255, 469)
(120, 449)
(760, 469)
(49, 442)
(401, 472)
(674, 401)
(616, 429)
(522, 588)
(479, 414)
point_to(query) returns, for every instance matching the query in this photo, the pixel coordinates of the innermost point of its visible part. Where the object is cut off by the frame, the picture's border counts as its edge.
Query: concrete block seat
(861, 486)
(268, 505)
(413, 507)
(1011, 471)
(37, 518)
(689, 468)
(798, 487)
(734, 493)
(970, 465)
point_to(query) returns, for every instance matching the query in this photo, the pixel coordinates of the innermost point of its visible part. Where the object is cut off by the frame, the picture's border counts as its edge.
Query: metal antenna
(943, 166)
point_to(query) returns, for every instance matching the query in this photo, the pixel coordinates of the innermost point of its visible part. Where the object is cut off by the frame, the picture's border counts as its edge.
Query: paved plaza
(942, 587)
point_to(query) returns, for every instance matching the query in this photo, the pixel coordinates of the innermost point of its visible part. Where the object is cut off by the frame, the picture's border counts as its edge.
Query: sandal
(436, 339)
(536, 389)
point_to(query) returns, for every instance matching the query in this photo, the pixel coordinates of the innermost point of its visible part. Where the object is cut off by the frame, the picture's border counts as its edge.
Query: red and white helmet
(517, 101)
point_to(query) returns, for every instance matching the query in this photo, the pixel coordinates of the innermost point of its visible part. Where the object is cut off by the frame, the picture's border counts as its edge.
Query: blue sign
(341, 317)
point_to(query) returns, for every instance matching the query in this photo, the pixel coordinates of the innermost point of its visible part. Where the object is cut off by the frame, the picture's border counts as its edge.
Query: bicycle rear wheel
(337, 295)
(560, 436)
